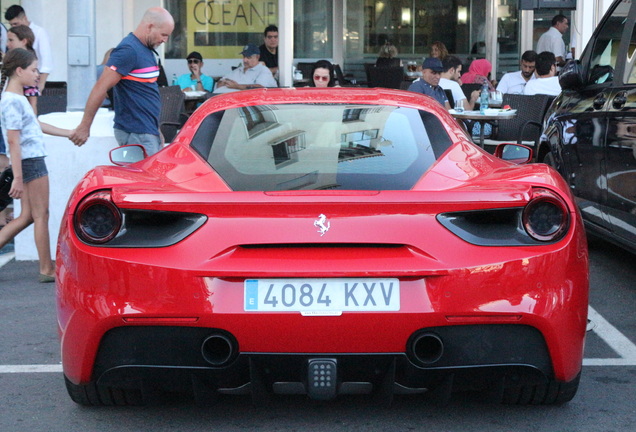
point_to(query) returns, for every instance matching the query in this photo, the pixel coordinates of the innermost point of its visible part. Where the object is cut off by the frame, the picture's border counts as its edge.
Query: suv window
(605, 50)
(631, 63)
(321, 146)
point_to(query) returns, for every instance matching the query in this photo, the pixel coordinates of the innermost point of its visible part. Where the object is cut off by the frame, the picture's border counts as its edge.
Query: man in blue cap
(251, 74)
(429, 84)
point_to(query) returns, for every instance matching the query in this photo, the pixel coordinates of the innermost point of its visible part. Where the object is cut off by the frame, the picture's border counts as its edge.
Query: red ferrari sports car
(322, 242)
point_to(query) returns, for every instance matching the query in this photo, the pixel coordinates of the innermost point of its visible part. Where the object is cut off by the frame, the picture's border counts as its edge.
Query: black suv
(590, 129)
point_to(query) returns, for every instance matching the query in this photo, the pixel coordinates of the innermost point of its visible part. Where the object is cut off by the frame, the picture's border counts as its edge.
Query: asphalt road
(33, 397)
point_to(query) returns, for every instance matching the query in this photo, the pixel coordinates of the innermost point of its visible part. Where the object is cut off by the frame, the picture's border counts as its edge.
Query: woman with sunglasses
(195, 80)
(322, 75)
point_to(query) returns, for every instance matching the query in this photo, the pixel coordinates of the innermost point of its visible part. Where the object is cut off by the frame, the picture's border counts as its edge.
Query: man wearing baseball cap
(429, 84)
(251, 74)
(195, 80)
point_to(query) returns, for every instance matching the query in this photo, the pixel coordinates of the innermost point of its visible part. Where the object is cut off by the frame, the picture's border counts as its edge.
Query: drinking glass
(459, 106)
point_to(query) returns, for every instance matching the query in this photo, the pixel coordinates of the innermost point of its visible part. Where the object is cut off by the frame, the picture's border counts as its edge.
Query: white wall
(586, 17)
(51, 14)
(114, 20)
(109, 26)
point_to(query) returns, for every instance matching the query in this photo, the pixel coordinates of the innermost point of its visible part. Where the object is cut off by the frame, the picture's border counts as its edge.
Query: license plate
(322, 296)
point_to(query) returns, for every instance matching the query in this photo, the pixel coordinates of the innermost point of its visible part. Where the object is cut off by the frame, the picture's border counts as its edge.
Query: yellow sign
(221, 28)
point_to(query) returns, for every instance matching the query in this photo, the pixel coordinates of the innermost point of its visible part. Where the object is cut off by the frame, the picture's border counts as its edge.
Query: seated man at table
(195, 80)
(250, 75)
(515, 82)
(449, 81)
(547, 81)
(269, 49)
(429, 83)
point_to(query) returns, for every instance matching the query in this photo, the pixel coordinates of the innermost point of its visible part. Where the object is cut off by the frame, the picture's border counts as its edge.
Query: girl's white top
(17, 114)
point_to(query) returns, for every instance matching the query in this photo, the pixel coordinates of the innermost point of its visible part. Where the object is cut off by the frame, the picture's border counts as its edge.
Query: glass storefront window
(219, 29)
(508, 24)
(543, 22)
(413, 25)
(313, 29)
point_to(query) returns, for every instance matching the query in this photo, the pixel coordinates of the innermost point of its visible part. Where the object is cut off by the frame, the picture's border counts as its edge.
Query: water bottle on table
(483, 97)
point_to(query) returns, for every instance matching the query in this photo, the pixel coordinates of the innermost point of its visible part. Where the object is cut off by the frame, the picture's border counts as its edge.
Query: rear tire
(93, 395)
(549, 160)
(550, 392)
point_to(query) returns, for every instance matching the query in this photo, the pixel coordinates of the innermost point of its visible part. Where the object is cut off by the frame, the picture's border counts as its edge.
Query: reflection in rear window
(321, 146)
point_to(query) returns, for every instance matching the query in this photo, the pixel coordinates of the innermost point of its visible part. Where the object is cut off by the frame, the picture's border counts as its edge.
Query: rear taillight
(97, 219)
(546, 217)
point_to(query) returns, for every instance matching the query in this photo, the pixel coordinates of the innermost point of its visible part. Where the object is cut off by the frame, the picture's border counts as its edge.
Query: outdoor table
(302, 82)
(470, 117)
(193, 99)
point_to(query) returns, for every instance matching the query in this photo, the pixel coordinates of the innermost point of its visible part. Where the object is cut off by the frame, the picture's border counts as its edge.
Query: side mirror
(128, 154)
(571, 76)
(515, 153)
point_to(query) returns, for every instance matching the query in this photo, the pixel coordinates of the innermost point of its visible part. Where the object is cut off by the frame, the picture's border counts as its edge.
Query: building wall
(116, 18)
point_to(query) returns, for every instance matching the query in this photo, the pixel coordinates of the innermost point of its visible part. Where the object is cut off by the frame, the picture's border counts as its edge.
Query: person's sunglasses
(196, 61)
(321, 78)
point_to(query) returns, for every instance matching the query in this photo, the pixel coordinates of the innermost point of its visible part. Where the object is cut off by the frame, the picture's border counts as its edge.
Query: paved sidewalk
(5, 258)
(21, 274)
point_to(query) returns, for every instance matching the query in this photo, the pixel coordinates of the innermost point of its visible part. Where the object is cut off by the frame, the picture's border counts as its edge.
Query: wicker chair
(527, 126)
(449, 96)
(386, 77)
(342, 81)
(172, 111)
(306, 69)
(53, 98)
(468, 89)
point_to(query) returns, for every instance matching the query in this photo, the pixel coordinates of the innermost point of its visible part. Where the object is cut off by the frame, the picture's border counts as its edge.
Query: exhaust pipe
(217, 350)
(427, 348)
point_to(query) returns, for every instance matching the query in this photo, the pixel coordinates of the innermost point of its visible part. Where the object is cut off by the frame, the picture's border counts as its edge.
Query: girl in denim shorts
(23, 135)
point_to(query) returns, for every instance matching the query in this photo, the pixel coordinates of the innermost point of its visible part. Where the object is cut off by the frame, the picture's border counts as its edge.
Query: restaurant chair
(342, 81)
(305, 68)
(468, 89)
(386, 77)
(367, 67)
(449, 96)
(53, 98)
(405, 84)
(172, 115)
(527, 126)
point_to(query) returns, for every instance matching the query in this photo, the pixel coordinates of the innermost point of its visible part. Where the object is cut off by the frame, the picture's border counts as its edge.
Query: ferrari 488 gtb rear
(322, 242)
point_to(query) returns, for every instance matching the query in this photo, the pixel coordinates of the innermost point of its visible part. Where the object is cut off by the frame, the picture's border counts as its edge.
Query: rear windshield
(321, 146)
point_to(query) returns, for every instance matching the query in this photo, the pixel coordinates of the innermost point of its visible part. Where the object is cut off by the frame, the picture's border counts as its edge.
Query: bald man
(132, 72)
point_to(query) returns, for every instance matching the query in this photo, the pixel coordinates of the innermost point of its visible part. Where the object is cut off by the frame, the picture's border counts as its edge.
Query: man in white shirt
(514, 82)
(250, 75)
(3, 38)
(450, 81)
(552, 40)
(16, 16)
(547, 82)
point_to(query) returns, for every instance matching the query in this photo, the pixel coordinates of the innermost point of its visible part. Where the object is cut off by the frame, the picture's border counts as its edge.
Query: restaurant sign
(220, 28)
